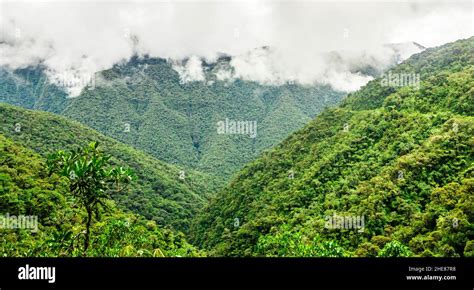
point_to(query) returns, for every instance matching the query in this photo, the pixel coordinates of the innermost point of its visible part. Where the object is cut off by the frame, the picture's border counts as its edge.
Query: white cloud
(346, 81)
(191, 71)
(83, 37)
(224, 74)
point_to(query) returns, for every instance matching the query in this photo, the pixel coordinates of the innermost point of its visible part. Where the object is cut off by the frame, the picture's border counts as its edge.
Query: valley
(393, 161)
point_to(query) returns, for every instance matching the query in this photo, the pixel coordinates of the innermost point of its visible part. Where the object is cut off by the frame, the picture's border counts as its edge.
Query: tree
(90, 179)
(395, 249)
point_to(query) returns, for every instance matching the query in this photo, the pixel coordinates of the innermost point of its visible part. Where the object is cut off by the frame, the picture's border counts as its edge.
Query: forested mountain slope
(145, 103)
(397, 157)
(27, 189)
(164, 193)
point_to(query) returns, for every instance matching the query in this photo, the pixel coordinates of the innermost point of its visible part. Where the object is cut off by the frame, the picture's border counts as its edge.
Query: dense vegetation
(30, 88)
(398, 156)
(27, 189)
(144, 103)
(169, 195)
(91, 180)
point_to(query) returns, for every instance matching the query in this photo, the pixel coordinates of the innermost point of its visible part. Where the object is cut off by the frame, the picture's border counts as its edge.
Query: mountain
(389, 172)
(147, 104)
(167, 194)
(172, 110)
(54, 230)
(30, 88)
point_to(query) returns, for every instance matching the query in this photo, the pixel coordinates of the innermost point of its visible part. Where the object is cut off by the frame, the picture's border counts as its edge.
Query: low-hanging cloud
(271, 42)
(191, 70)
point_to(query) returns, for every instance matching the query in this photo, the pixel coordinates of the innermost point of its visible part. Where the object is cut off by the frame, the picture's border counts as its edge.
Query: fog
(271, 42)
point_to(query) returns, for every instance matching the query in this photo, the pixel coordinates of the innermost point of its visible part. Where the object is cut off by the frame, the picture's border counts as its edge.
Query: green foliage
(158, 193)
(395, 249)
(286, 243)
(89, 179)
(173, 121)
(401, 158)
(26, 188)
(30, 88)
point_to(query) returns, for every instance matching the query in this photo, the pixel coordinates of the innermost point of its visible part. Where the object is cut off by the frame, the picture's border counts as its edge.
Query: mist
(272, 42)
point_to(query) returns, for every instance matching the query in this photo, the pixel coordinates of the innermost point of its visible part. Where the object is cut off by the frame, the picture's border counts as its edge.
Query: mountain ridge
(159, 194)
(144, 102)
(399, 157)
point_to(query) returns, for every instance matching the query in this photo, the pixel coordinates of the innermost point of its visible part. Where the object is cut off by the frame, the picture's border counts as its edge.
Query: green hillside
(167, 194)
(396, 159)
(26, 189)
(31, 89)
(144, 103)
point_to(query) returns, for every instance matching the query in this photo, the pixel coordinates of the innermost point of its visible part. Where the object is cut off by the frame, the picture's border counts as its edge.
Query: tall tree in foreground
(91, 180)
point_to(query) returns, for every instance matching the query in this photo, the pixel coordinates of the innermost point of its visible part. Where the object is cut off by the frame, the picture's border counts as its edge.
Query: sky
(83, 37)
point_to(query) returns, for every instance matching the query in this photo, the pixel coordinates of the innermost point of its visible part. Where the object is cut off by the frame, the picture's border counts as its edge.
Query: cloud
(340, 69)
(82, 37)
(224, 75)
(191, 70)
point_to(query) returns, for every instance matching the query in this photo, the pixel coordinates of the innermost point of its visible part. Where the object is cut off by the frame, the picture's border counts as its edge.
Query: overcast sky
(88, 36)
